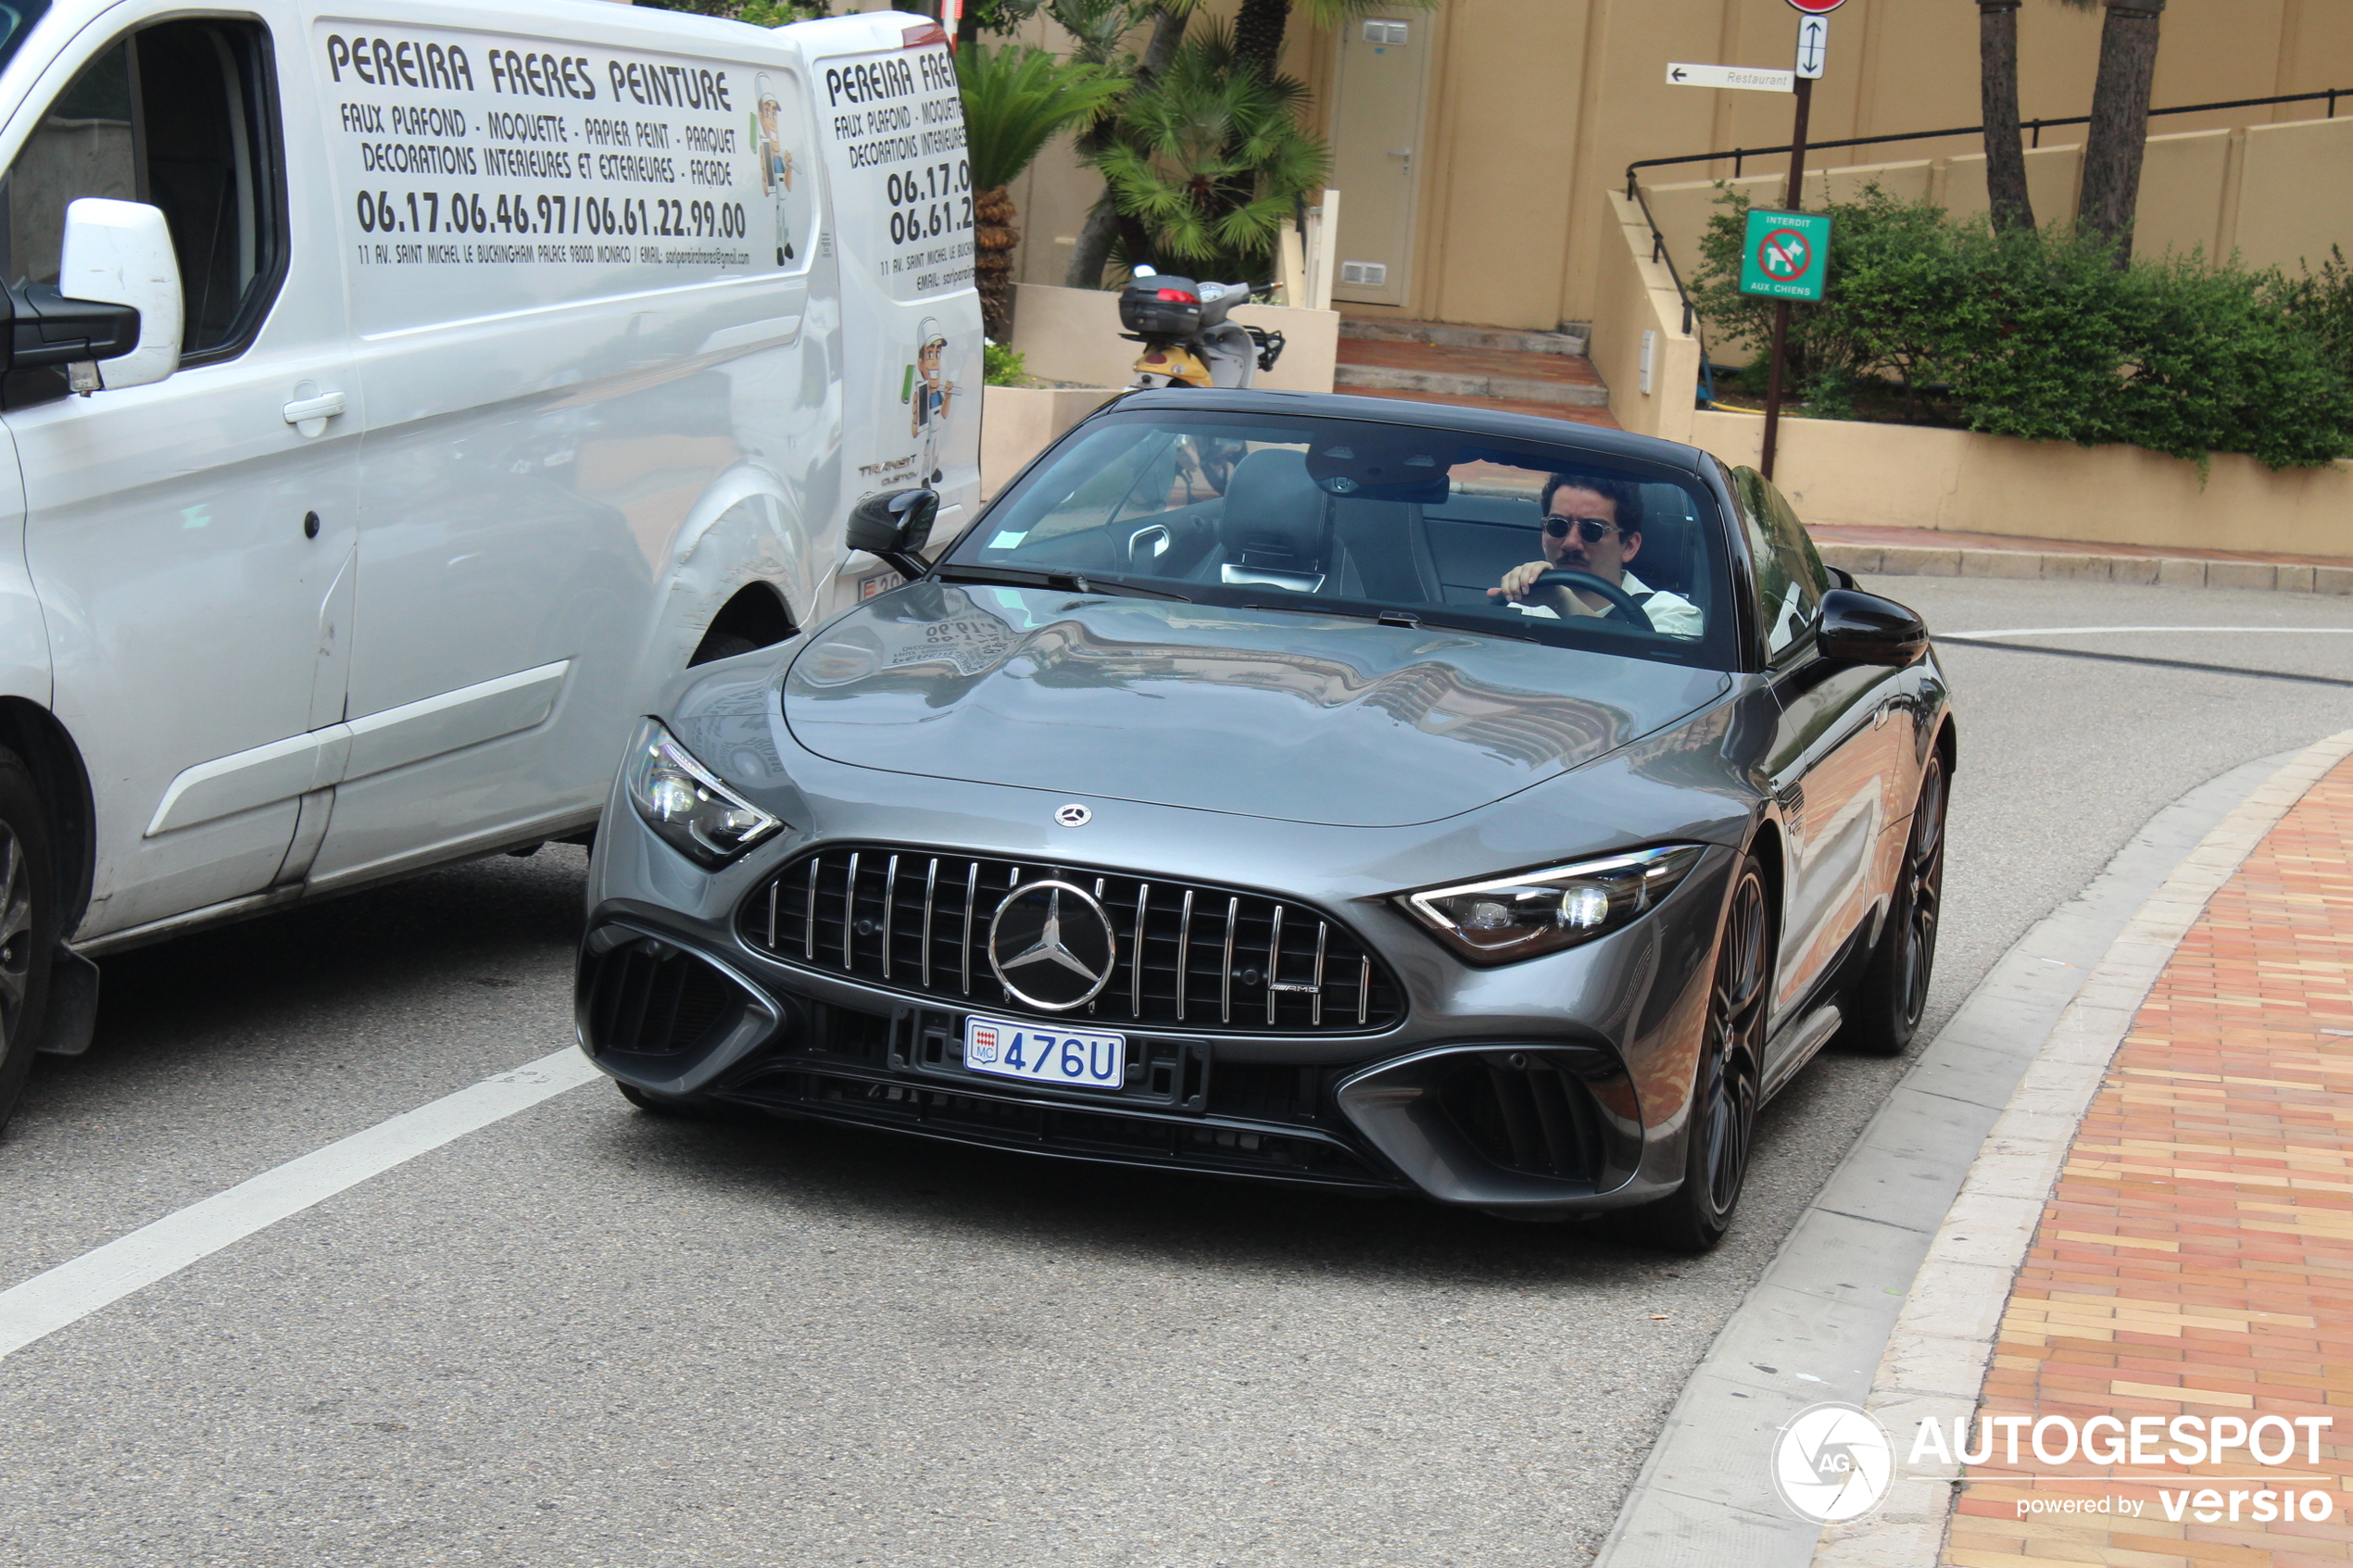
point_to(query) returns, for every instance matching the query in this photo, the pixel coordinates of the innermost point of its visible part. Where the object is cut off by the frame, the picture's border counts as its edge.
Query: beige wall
(1902, 476)
(2273, 195)
(1538, 105)
(1855, 471)
(1018, 422)
(1635, 296)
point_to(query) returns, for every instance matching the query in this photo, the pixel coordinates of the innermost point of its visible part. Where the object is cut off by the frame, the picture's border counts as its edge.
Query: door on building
(1376, 145)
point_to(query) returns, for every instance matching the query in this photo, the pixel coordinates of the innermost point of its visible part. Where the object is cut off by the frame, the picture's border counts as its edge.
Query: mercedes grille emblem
(1051, 946)
(1074, 816)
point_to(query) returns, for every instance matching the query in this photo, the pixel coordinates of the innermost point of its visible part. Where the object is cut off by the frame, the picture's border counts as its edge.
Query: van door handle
(311, 415)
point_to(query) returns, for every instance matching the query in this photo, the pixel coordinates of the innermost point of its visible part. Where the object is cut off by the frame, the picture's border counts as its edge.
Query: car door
(192, 544)
(1830, 752)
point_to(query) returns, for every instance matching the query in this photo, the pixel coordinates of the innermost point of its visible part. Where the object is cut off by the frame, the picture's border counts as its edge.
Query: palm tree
(1078, 19)
(1259, 25)
(1209, 158)
(1997, 72)
(1015, 98)
(2120, 119)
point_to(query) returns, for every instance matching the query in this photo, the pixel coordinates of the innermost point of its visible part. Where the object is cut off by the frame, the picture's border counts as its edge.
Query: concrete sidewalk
(1914, 552)
(2195, 1257)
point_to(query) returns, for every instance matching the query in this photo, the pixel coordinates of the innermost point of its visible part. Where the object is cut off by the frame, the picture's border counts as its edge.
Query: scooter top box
(1161, 306)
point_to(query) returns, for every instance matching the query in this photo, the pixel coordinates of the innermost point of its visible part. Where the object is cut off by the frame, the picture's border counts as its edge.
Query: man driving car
(1594, 524)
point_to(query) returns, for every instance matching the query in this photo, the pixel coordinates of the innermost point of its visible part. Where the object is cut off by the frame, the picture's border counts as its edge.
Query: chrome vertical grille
(1202, 958)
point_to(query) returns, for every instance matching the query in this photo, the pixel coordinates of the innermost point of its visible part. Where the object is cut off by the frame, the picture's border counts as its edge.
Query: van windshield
(16, 17)
(1553, 544)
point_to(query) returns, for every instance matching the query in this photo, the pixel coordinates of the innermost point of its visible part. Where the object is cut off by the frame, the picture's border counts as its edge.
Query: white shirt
(1671, 614)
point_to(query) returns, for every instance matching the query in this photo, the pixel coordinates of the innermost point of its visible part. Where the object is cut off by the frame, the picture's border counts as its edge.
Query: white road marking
(2094, 631)
(72, 1290)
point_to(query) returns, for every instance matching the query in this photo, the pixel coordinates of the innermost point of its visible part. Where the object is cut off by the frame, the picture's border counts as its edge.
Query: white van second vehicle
(396, 397)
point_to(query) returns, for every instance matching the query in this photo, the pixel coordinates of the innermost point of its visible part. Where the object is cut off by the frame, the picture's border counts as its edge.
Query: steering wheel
(1623, 606)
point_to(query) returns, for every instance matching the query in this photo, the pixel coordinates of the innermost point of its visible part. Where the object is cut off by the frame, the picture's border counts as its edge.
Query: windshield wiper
(1405, 620)
(1065, 582)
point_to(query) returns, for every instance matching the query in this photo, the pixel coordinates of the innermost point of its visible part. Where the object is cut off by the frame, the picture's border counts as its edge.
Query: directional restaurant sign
(1787, 255)
(1683, 75)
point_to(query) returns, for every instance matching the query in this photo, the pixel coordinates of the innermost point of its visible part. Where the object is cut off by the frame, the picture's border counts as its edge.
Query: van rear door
(891, 125)
(580, 276)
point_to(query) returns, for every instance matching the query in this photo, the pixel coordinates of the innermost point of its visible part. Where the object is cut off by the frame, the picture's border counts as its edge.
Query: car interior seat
(1276, 528)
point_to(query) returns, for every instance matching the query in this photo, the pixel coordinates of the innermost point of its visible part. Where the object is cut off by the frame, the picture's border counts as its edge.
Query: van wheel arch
(756, 617)
(49, 751)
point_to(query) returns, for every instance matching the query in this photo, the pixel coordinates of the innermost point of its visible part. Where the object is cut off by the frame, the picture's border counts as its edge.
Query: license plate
(1078, 1058)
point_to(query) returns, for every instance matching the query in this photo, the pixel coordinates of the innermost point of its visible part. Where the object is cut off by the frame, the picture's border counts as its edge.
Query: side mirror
(116, 271)
(1860, 628)
(894, 526)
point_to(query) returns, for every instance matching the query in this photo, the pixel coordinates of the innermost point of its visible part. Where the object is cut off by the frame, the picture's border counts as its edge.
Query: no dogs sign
(1785, 255)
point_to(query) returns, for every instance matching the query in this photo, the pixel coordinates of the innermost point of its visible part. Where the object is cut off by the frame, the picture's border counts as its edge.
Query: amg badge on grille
(1051, 944)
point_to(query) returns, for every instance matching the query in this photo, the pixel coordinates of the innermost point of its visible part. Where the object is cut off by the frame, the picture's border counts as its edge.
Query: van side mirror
(1860, 628)
(894, 526)
(114, 316)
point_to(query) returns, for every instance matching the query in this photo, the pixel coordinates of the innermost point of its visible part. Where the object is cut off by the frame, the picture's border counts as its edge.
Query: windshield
(1411, 524)
(16, 17)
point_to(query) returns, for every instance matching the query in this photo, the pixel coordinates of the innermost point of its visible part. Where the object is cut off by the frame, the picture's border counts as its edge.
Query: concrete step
(1446, 334)
(1565, 378)
(1575, 413)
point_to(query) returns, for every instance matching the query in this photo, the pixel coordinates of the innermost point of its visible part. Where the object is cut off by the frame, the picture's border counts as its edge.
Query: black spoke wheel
(1721, 1126)
(28, 927)
(1894, 993)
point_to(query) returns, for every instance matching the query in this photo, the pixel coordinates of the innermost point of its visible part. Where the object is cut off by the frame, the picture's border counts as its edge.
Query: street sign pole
(1804, 88)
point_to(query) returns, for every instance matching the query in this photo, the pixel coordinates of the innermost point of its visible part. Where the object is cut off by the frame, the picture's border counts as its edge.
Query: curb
(2186, 571)
(1816, 1324)
(1935, 1361)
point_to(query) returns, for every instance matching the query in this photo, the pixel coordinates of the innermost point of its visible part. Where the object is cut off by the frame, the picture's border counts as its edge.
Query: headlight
(699, 817)
(1519, 917)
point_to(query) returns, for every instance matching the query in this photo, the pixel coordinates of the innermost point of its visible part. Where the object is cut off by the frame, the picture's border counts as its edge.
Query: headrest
(1273, 507)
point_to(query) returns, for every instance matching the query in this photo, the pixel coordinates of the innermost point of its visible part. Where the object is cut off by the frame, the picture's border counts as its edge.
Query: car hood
(1267, 713)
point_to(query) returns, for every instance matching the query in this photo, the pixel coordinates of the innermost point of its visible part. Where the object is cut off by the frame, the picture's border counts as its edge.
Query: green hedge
(2042, 335)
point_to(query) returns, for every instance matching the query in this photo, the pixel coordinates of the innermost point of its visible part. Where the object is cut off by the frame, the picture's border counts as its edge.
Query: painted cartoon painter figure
(775, 166)
(931, 395)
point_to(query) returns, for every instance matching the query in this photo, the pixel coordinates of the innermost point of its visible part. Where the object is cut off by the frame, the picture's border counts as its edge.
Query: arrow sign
(1685, 75)
(1813, 45)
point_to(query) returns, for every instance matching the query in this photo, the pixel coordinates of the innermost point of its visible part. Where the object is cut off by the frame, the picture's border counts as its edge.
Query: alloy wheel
(1923, 891)
(1736, 1009)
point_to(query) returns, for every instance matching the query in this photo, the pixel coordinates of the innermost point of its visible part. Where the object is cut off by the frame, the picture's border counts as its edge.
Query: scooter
(1188, 341)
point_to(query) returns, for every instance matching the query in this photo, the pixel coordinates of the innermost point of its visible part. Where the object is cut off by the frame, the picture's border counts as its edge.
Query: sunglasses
(1589, 530)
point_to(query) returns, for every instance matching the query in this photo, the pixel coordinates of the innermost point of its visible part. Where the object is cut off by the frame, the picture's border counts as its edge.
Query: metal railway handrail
(1740, 156)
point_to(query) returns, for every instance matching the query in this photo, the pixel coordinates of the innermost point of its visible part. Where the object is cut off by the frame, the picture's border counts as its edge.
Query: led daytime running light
(1507, 918)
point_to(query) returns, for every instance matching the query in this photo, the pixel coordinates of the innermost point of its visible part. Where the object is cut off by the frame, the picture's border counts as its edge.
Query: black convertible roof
(1407, 411)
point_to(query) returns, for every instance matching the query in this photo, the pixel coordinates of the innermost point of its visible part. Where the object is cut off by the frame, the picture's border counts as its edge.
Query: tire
(1722, 1120)
(1894, 991)
(28, 926)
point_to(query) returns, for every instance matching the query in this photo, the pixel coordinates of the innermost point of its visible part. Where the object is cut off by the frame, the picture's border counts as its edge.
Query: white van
(396, 397)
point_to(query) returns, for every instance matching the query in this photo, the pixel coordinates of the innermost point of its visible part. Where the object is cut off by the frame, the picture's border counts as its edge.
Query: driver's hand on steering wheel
(1519, 582)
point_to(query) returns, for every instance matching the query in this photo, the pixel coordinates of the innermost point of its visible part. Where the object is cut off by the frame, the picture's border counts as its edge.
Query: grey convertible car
(1322, 789)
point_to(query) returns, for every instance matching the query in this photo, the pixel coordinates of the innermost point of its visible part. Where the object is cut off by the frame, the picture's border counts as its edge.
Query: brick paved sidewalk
(2197, 1255)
